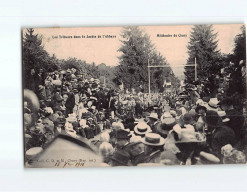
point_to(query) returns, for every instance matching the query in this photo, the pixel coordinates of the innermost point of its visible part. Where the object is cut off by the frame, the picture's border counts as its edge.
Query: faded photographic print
(134, 96)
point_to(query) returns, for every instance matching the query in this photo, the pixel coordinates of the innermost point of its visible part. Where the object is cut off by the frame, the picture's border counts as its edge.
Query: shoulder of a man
(224, 131)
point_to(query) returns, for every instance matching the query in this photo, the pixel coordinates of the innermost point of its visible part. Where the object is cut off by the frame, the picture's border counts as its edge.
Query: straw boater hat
(212, 104)
(153, 139)
(164, 116)
(142, 128)
(153, 116)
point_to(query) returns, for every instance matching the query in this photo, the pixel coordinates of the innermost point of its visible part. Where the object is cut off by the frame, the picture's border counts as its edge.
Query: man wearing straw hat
(153, 146)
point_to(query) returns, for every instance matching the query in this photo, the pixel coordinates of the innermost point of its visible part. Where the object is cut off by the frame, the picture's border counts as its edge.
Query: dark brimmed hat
(122, 134)
(121, 157)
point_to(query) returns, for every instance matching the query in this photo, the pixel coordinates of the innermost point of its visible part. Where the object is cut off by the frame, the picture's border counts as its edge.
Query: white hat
(142, 128)
(153, 139)
(33, 152)
(212, 104)
(153, 115)
(117, 125)
(165, 115)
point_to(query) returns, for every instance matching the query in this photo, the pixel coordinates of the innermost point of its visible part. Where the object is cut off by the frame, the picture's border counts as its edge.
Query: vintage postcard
(134, 96)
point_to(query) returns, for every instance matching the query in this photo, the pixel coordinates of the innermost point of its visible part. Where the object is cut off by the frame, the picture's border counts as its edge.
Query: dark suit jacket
(70, 103)
(222, 136)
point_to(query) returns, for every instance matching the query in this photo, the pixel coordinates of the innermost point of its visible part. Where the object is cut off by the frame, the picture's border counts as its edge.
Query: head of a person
(226, 104)
(212, 119)
(122, 137)
(105, 149)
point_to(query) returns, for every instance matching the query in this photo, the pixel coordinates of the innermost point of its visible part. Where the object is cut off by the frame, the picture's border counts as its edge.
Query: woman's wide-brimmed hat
(153, 139)
(142, 128)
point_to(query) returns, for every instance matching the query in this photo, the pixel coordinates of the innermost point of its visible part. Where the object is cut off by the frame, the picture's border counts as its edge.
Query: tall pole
(148, 77)
(195, 70)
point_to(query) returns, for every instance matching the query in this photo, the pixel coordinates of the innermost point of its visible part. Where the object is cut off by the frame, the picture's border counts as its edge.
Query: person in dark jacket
(70, 103)
(221, 134)
(236, 118)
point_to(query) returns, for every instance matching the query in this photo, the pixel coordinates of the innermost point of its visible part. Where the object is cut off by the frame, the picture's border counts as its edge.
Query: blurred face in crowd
(101, 116)
(201, 112)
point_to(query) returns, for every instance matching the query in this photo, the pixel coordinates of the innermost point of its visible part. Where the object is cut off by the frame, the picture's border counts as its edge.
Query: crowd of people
(134, 128)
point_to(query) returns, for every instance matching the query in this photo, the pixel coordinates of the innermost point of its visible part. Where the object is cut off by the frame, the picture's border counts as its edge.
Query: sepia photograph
(134, 96)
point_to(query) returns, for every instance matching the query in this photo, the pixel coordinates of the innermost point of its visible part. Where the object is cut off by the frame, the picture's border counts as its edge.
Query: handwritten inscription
(61, 163)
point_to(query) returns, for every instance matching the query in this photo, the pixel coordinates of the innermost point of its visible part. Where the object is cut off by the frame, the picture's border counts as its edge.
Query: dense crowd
(134, 128)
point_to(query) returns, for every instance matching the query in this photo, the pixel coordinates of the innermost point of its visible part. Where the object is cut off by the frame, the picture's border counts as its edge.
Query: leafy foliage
(35, 57)
(237, 82)
(132, 70)
(203, 46)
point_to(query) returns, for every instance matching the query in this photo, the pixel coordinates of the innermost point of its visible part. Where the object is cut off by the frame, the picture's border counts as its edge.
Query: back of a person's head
(227, 101)
(212, 118)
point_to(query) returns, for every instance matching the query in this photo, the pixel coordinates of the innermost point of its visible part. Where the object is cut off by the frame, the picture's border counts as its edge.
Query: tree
(203, 46)
(35, 57)
(236, 67)
(132, 70)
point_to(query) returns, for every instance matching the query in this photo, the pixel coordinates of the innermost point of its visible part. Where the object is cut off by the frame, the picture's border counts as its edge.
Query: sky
(105, 50)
